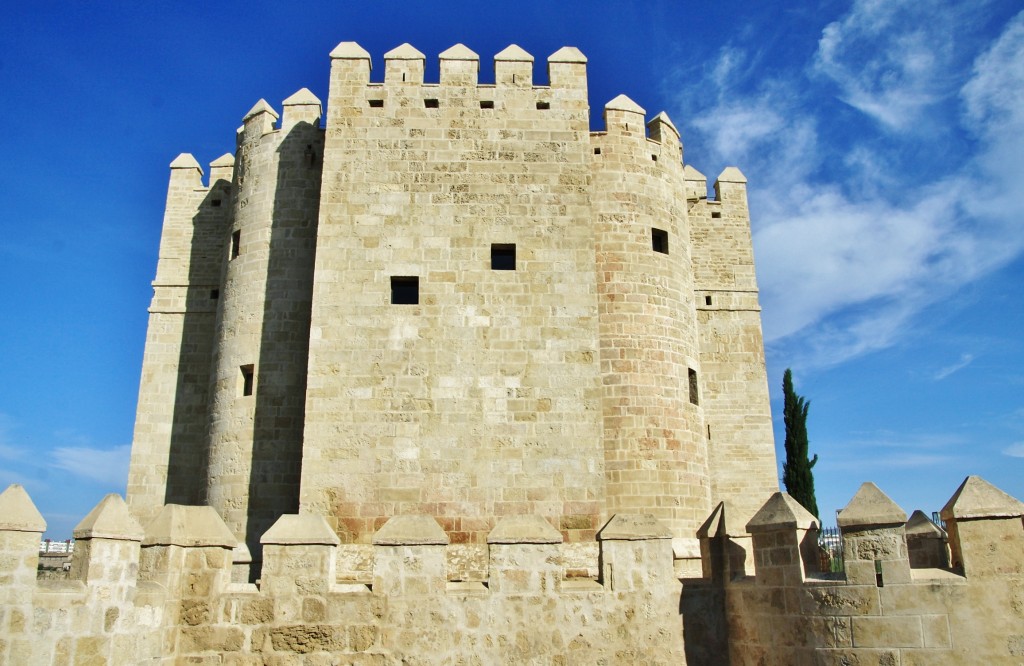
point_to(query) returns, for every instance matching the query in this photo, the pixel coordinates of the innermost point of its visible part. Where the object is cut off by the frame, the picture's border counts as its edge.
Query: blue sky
(883, 142)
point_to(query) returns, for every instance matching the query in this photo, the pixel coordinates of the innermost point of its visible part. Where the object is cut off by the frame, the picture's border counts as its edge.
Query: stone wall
(167, 594)
(883, 610)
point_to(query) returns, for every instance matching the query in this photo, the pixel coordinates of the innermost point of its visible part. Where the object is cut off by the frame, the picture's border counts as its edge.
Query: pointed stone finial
(186, 161)
(870, 506)
(663, 120)
(623, 103)
(411, 531)
(18, 513)
(524, 529)
(110, 519)
(303, 96)
(188, 526)
(259, 108)
(226, 160)
(732, 175)
(349, 51)
(633, 527)
(513, 53)
(920, 525)
(405, 51)
(300, 529)
(568, 54)
(459, 52)
(714, 526)
(977, 498)
(691, 173)
(781, 512)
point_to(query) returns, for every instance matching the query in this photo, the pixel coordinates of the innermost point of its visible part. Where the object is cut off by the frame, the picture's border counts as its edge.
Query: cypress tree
(796, 473)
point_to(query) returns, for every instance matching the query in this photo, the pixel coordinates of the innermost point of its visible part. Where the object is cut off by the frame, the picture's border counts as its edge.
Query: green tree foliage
(796, 473)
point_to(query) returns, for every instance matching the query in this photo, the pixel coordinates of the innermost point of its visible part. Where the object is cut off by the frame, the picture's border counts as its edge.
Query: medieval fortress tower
(454, 300)
(447, 378)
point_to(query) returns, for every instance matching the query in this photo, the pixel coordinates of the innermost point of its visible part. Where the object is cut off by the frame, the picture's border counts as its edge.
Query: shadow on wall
(284, 341)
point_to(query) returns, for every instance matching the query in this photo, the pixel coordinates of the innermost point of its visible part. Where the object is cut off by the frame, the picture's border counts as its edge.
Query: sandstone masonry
(454, 300)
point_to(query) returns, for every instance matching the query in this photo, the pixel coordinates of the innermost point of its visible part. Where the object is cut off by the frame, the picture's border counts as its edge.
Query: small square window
(214, 294)
(693, 386)
(654, 157)
(543, 106)
(405, 290)
(503, 257)
(236, 243)
(659, 240)
(376, 103)
(707, 300)
(597, 151)
(431, 103)
(486, 104)
(248, 379)
(716, 215)
(215, 203)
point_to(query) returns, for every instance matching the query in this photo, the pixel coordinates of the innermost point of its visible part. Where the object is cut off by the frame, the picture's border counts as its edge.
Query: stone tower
(454, 300)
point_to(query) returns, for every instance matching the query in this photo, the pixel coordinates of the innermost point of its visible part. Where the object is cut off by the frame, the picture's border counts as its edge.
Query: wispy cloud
(965, 360)
(888, 450)
(109, 466)
(1015, 450)
(851, 245)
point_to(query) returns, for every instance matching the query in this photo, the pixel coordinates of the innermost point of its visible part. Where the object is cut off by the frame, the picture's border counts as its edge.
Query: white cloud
(893, 60)
(845, 264)
(109, 466)
(965, 360)
(1015, 450)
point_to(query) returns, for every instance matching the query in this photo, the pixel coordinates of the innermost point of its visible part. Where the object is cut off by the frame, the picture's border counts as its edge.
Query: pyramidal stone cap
(404, 52)
(300, 529)
(870, 506)
(225, 160)
(261, 107)
(690, 173)
(977, 498)
(524, 529)
(18, 513)
(411, 531)
(513, 53)
(663, 118)
(634, 527)
(732, 175)
(921, 525)
(303, 97)
(349, 51)
(110, 519)
(186, 161)
(459, 52)
(623, 103)
(568, 54)
(781, 512)
(188, 526)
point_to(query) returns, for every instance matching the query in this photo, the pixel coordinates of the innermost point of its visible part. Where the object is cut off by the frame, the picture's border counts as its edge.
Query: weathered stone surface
(17, 511)
(870, 507)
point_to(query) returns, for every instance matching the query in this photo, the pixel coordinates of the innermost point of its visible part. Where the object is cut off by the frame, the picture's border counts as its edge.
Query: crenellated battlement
(167, 592)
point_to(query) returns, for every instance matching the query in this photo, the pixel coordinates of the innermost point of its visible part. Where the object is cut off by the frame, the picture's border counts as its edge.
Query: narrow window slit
(694, 398)
(543, 106)
(236, 243)
(486, 104)
(431, 103)
(659, 240)
(707, 300)
(248, 378)
(376, 104)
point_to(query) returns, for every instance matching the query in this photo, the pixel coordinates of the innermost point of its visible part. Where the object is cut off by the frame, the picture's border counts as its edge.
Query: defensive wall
(171, 593)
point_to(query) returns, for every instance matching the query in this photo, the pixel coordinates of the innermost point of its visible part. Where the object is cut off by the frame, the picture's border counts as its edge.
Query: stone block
(887, 632)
